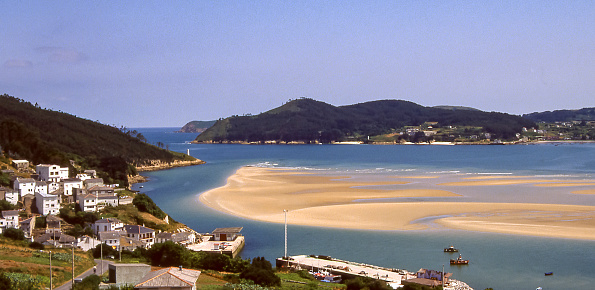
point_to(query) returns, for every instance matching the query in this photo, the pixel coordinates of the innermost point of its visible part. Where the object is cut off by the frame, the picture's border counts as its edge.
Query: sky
(165, 63)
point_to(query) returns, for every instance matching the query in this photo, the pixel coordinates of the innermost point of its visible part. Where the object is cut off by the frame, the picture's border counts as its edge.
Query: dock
(393, 277)
(345, 268)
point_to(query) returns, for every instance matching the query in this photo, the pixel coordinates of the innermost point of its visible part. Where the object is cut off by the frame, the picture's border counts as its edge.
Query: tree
(5, 205)
(89, 283)
(107, 251)
(14, 234)
(169, 254)
(261, 272)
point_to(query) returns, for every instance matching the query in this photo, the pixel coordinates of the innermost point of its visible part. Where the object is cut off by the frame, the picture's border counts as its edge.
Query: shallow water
(497, 260)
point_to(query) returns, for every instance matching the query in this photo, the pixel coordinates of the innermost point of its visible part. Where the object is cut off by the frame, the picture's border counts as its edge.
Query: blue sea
(498, 261)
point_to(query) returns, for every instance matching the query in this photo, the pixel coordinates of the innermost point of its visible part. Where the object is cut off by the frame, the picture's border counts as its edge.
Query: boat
(549, 273)
(459, 261)
(450, 249)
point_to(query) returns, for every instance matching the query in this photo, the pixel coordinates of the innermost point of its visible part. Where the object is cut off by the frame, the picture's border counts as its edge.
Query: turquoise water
(498, 261)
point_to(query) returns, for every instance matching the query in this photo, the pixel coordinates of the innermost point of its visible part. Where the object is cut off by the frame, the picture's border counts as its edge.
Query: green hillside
(308, 120)
(584, 114)
(45, 136)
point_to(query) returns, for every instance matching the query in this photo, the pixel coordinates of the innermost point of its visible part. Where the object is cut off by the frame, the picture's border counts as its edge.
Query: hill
(307, 120)
(45, 136)
(196, 126)
(584, 114)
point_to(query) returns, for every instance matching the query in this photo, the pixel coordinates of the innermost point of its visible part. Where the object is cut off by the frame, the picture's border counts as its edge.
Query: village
(49, 188)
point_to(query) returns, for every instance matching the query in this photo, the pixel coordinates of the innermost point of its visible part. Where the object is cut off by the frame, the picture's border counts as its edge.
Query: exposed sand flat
(586, 191)
(563, 184)
(253, 192)
(333, 201)
(513, 181)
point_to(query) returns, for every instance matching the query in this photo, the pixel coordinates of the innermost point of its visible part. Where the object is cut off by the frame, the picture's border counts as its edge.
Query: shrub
(36, 245)
(14, 234)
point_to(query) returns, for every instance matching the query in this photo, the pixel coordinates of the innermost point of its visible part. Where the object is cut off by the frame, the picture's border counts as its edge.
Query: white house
(9, 195)
(41, 187)
(20, 165)
(50, 172)
(140, 233)
(87, 202)
(47, 203)
(107, 225)
(69, 184)
(24, 186)
(110, 238)
(9, 219)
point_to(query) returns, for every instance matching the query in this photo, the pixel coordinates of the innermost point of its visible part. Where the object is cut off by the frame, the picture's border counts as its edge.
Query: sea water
(498, 261)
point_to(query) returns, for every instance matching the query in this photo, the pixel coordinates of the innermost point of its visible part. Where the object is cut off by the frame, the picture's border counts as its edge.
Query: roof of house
(228, 230)
(170, 277)
(6, 213)
(25, 180)
(136, 229)
(64, 239)
(109, 235)
(72, 180)
(27, 221)
(107, 221)
(93, 180)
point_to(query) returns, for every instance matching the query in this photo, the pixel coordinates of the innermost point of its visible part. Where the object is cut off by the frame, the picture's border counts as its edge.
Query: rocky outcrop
(154, 165)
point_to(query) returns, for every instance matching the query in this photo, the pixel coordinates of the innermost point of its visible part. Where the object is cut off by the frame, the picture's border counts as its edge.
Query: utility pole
(72, 264)
(51, 270)
(101, 269)
(285, 257)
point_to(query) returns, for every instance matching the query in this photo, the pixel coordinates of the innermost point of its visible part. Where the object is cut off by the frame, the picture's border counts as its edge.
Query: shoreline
(335, 201)
(435, 143)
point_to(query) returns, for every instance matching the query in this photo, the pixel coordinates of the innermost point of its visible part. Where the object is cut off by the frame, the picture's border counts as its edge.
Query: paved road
(101, 268)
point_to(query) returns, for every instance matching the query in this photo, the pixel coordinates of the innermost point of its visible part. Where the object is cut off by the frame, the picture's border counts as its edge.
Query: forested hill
(585, 114)
(45, 136)
(309, 120)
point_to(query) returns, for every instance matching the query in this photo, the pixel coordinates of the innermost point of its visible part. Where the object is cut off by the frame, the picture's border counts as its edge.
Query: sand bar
(334, 201)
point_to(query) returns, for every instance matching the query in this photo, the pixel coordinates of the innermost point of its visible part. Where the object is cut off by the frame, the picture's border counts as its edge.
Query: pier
(393, 277)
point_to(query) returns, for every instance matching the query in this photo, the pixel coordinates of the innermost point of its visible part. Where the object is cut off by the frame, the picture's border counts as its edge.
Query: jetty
(395, 278)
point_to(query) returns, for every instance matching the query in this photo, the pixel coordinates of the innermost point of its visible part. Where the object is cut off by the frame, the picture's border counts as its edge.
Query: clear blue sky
(164, 63)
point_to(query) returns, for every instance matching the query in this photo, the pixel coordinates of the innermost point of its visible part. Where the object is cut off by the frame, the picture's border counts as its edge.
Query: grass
(16, 257)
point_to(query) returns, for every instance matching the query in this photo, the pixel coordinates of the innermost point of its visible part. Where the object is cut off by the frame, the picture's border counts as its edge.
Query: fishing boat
(450, 249)
(459, 261)
(549, 273)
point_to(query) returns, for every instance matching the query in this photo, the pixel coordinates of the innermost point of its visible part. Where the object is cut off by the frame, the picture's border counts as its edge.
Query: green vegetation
(261, 272)
(196, 126)
(45, 136)
(585, 114)
(307, 120)
(89, 283)
(367, 283)
(145, 204)
(28, 268)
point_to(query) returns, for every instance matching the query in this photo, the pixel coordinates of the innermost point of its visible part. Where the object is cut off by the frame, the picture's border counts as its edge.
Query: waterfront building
(226, 234)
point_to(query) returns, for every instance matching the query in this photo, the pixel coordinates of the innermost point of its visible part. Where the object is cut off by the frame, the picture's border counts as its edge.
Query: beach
(353, 202)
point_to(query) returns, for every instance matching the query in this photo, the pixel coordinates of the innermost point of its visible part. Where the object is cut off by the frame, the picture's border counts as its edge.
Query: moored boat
(459, 261)
(450, 249)
(549, 273)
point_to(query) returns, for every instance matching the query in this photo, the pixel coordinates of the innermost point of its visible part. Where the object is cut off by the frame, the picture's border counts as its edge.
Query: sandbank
(586, 191)
(337, 201)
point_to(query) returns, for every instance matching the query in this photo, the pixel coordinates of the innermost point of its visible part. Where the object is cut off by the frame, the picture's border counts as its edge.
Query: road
(101, 268)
